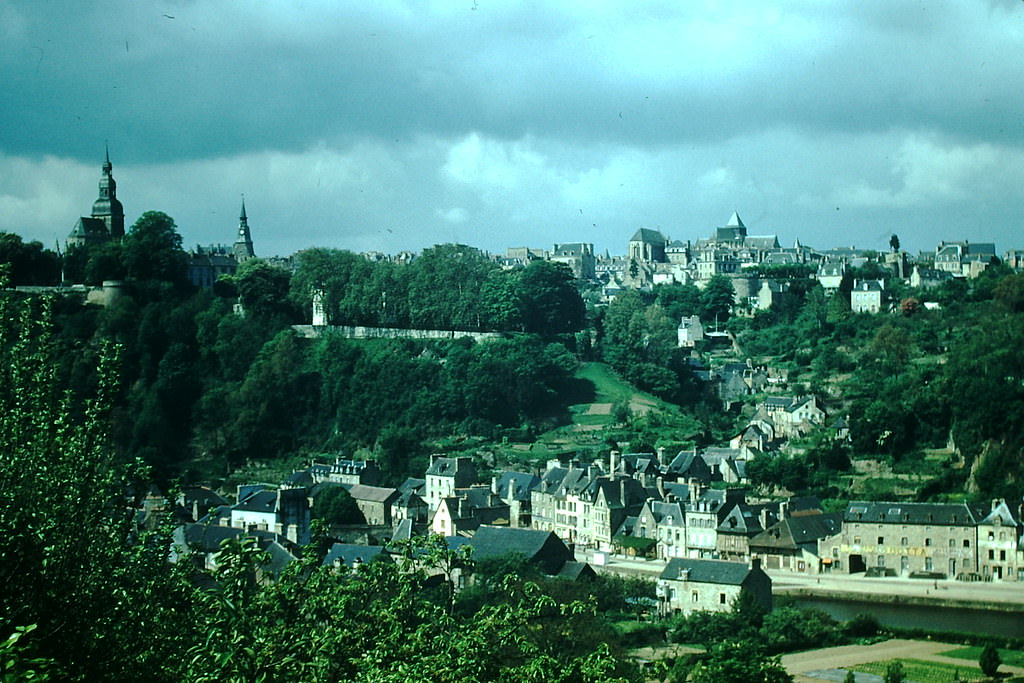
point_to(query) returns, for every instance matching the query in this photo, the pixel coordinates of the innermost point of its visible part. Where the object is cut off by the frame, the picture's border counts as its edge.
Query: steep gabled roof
(535, 545)
(648, 235)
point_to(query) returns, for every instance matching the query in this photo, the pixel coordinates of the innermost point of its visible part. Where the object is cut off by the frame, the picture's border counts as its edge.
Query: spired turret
(107, 208)
(242, 248)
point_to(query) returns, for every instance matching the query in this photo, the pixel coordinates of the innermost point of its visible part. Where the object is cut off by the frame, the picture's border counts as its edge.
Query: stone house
(375, 502)
(283, 511)
(999, 535)
(445, 475)
(686, 585)
(690, 332)
(939, 538)
(792, 542)
(665, 522)
(868, 296)
(741, 523)
(579, 256)
(515, 490)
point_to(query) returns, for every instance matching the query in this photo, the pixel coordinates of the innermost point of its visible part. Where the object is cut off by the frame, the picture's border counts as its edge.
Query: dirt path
(849, 656)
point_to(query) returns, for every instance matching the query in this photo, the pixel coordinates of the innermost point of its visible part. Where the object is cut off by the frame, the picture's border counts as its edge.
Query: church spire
(106, 207)
(242, 248)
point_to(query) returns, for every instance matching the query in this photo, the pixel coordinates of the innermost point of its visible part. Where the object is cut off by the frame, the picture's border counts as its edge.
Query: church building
(107, 219)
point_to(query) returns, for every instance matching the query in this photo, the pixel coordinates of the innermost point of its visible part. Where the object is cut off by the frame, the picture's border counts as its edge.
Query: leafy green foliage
(989, 660)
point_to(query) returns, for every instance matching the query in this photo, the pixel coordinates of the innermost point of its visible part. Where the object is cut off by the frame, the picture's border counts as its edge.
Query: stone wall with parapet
(360, 332)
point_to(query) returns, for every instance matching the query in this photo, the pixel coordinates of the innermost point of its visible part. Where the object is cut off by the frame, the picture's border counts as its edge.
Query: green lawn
(926, 672)
(608, 386)
(971, 654)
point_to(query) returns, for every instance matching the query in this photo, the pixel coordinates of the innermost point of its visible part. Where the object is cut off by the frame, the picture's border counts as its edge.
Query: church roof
(734, 221)
(648, 235)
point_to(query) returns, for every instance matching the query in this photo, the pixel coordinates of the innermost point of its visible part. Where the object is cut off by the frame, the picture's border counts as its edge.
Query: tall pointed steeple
(106, 207)
(242, 248)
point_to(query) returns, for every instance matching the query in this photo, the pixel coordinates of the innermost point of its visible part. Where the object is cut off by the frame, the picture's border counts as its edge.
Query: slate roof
(799, 532)
(534, 544)
(443, 467)
(941, 514)
(351, 554)
(523, 483)
(662, 511)
(374, 494)
(260, 501)
(648, 235)
(706, 571)
(413, 484)
(577, 570)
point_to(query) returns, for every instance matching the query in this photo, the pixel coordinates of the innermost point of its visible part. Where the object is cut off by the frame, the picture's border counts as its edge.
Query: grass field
(971, 654)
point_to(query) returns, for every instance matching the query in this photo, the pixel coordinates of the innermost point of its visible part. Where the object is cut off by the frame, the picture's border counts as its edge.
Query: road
(1010, 593)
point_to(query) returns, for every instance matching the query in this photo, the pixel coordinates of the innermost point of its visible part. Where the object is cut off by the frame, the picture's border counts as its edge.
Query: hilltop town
(713, 416)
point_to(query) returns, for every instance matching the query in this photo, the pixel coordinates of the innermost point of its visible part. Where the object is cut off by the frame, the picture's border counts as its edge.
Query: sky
(385, 125)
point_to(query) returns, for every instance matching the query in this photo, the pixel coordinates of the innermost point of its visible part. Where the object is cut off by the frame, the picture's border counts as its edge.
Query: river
(919, 616)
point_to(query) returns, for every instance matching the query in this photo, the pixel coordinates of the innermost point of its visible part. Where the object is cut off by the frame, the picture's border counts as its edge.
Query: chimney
(612, 461)
(622, 491)
(661, 454)
(783, 509)
(995, 504)
(764, 517)
(755, 563)
(511, 489)
(694, 485)
(494, 484)
(660, 483)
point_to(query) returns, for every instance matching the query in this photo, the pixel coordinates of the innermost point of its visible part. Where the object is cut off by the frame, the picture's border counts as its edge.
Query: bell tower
(106, 207)
(242, 248)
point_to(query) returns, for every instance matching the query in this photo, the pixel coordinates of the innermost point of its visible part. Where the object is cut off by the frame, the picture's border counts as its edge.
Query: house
(542, 548)
(963, 258)
(205, 542)
(444, 475)
(462, 513)
(792, 542)
(515, 490)
(935, 538)
(868, 296)
(690, 332)
(770, 293)
(830, 275)
(409, 506)
(999, 535)
(928, 278)
(375, 502)
(579, 256)
(665, 522)
(351, 556)
(284, 511)
(791, 416)
(687, 585)
(741, 523)
(345, 471)
(705, 510)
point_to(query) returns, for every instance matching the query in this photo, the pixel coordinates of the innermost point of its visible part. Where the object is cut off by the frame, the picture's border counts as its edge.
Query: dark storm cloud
(394, 125)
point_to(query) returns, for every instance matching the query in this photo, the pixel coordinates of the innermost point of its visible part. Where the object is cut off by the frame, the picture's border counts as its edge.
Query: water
(1010, 624)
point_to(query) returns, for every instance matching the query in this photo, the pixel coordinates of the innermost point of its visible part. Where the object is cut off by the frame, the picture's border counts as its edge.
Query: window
(927, 542)
(991, 554)
(967, 543)
(881, 561)
(881, 540)
(856, 540)
(952, 543)
(721, 598)
(695, 596)
(903, 541)
(991, 536)
(927, 564)
(1002, 555)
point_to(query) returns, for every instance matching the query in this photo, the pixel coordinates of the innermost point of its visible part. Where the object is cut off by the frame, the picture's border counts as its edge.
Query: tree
(28, 263)
(894, 243)
(989, 660)
(334, 505)
(152, 250)
(104, 601)
(718, 298)
(550, 303)
(263, 289)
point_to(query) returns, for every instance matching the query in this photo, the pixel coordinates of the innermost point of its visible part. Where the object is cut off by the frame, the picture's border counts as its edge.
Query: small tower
(242, 248)
(106, 207)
